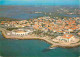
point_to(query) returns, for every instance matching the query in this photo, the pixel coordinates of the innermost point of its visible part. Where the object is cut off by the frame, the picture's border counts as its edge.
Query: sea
(30, 48)
(33, 48)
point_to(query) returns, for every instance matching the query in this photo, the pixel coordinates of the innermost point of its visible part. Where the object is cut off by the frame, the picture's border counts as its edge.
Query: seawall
(39, 38)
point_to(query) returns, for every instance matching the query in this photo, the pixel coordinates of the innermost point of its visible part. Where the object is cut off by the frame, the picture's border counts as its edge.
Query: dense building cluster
(64, 26)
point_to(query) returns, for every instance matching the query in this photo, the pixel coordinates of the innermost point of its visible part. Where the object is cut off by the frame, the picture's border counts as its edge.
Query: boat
(53, 48)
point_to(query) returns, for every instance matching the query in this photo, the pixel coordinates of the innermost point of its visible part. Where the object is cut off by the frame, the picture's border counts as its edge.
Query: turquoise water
(33, 48)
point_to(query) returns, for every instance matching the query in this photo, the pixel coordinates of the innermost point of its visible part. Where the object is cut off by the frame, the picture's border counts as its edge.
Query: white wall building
(19, 32)
(66, 38)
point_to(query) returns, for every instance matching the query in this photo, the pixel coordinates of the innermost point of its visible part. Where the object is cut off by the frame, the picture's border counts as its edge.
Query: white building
(19, 32)
(66, 38)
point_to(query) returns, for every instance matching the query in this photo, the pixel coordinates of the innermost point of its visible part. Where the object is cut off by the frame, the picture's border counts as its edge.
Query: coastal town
(56, 31)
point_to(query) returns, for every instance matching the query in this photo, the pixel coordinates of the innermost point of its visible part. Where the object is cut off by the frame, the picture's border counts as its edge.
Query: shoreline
(2, 30)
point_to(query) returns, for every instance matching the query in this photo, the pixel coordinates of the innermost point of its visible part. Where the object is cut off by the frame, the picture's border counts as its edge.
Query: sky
(39, 2)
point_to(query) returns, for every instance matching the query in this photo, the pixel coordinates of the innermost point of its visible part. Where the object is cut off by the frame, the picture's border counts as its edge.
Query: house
(78, 33)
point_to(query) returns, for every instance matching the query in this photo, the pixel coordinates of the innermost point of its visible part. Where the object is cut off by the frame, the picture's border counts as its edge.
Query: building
(66, 38)
(20, 32)
(78, 33)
